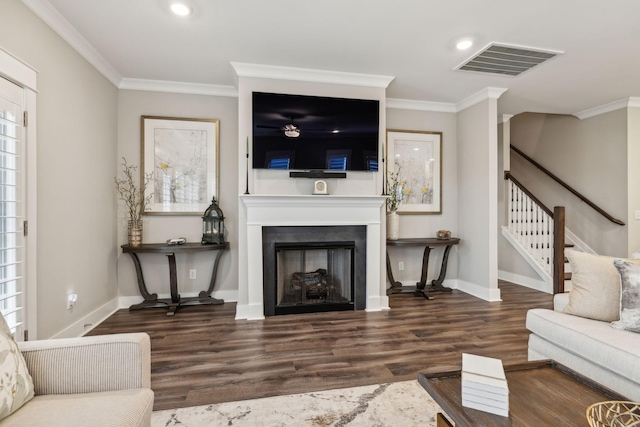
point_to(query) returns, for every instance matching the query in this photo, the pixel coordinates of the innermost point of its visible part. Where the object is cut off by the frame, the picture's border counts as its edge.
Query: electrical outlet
(637, 214)
(71, 300)
(192, 274)
(401, 265)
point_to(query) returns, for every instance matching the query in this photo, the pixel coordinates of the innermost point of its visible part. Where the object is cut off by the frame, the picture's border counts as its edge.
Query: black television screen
(299, 132)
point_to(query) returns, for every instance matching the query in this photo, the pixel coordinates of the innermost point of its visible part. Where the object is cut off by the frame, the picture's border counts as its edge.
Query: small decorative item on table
(134, 199)
(213, 225)
(443, 234)
(394, 198)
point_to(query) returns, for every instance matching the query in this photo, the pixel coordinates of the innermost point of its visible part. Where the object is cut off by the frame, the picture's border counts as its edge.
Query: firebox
(306, 270)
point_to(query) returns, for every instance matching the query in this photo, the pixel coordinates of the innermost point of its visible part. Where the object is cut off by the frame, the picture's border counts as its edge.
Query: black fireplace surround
(339, 283)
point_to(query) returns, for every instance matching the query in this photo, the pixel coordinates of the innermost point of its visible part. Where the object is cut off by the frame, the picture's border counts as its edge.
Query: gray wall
(428, 225)
(77, 126)
(131, 106)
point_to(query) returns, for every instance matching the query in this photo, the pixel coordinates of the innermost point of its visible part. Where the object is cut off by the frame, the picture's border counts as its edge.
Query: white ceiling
(411, 40)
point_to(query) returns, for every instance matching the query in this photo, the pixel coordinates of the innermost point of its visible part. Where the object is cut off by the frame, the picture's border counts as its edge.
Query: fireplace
(262, 211)
(314, 268)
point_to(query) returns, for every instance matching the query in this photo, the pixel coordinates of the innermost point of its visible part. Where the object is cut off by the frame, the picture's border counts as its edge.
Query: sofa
(590, 342)
(89, 381)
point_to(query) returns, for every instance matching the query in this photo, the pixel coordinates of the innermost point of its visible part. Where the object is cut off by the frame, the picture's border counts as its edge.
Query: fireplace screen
(314, 276)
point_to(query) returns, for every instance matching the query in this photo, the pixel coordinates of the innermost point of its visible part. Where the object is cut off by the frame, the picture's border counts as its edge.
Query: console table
(152, 300)
(421, 287)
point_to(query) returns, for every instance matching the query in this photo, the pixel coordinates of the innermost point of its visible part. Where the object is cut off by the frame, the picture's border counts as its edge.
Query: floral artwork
(180, 166)
(417, 156)
(183, 155)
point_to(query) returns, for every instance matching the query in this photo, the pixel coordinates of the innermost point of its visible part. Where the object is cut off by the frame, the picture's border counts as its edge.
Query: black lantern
(213, 224)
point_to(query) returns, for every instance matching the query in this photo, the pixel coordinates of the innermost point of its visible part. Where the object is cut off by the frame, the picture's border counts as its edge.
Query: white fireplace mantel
(259, 211)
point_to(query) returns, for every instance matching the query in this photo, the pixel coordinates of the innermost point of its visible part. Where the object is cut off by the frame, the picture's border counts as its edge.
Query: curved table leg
(212, 283)
(393, 282)
(425, 267)
(142, 287)
(436, 285)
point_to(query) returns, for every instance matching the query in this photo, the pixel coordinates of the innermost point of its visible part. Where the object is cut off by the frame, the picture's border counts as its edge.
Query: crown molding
(410, 104)
(177, 87)
(482, 95)
(310, 75)
(16, 70)
(504, 118)
(45, 11)
(632, 102)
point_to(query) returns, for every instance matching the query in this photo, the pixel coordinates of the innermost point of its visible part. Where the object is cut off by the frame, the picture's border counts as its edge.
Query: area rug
(394, 404)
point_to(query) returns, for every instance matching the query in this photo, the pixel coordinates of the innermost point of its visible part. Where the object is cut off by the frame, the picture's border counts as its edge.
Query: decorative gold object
(614, 414)
(443, 234)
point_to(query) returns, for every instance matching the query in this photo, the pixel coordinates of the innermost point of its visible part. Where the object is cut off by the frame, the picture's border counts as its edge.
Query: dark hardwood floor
(202, 355)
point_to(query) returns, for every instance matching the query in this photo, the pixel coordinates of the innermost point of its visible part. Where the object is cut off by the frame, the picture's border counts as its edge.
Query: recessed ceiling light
(335, 131)
(180, 9)
(464, 44)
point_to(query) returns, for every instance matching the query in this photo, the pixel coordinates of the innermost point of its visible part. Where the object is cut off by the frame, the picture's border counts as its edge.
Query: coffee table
(541, 393)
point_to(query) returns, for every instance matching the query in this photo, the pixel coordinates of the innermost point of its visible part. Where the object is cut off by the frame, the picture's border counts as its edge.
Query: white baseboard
(478, 291)
(525, 281)
(377, 303)
(88, 322)
(250, 311)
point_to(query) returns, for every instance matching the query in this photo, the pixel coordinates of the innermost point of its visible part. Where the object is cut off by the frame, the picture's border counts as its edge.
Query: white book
(480, 365)
(485, 384)
(502, 404)
(485, 408)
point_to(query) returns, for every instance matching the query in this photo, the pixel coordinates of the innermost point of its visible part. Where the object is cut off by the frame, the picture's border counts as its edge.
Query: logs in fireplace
(308, 276)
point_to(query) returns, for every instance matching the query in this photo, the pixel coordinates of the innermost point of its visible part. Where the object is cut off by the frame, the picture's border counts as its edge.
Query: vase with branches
(134, 198)
(394, 198)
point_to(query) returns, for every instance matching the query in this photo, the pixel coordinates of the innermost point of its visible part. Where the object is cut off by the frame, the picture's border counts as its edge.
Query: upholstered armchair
(89, 381)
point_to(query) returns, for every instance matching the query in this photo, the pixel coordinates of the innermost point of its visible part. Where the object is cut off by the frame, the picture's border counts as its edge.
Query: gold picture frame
(183, 155)
(418, 157)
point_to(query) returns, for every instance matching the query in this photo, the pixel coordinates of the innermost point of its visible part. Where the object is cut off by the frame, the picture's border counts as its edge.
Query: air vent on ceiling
(506, 59)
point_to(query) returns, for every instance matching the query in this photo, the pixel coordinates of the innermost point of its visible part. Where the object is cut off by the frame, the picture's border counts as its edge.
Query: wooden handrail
(507, 175)
(568, 187)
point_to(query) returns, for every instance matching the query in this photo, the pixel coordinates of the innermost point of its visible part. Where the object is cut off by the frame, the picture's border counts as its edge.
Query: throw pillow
(16, 385)
(595, 292)
(629, 296)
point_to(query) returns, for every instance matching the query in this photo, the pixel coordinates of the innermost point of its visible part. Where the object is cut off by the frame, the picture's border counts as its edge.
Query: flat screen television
(315, 133)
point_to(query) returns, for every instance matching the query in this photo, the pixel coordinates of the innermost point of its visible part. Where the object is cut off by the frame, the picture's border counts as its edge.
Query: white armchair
(90, 381)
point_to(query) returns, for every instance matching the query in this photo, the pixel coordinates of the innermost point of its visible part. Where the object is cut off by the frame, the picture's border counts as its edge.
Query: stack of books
(484, 385)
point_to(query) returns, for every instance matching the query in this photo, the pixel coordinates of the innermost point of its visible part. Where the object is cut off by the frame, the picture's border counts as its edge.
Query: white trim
(578, 243)
(411, 104)
(524, 253)
(482, 95)
(88, 322)
(478, 291)
(31, 207)
(310, 75)
(16, 70)
(504, 118)
(60, 25)
(177, 87)
(633, 102)
(527, 282)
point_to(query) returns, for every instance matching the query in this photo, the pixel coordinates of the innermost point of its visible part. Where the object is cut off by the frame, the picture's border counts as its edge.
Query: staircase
(537, 233)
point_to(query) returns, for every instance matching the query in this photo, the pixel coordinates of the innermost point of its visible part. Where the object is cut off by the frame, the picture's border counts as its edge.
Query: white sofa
(592, 348)
(90, 381)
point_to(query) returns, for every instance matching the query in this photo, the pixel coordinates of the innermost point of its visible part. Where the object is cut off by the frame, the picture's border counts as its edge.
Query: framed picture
(417, 157)
(182, 154)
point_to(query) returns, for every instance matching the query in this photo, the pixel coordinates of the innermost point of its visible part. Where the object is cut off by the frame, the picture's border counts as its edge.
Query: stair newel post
(558, 249)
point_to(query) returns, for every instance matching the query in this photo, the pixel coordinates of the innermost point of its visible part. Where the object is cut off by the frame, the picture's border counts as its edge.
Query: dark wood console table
(421, 287)
(152, 300)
